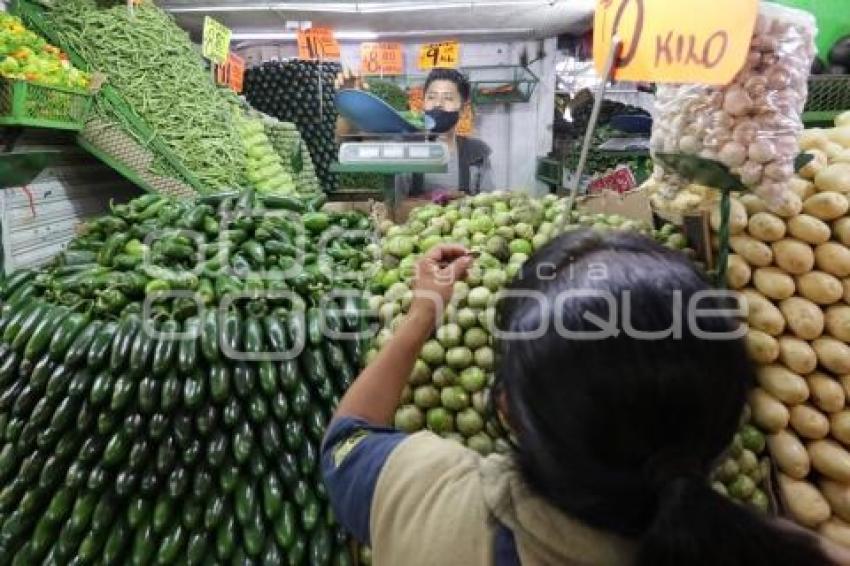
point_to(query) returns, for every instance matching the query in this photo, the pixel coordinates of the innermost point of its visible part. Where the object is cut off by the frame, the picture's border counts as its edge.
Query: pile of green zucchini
(119, 445)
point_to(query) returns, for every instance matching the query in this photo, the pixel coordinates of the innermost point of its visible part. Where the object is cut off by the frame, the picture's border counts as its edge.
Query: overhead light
(358, 7)
(371, 35)
(270, 36)
(355, 35)
(291, 36)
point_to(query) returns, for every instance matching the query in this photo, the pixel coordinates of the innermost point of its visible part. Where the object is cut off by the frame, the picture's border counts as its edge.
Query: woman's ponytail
(695, 526)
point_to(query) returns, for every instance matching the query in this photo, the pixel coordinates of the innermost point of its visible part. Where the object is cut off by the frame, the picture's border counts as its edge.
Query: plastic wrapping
(751, 125)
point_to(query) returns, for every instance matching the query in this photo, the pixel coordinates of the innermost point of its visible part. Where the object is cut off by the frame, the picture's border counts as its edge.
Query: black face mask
(443, 119)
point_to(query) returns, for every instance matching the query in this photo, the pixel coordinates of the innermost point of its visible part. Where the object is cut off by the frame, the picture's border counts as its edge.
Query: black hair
(622, 432)
(452, 75)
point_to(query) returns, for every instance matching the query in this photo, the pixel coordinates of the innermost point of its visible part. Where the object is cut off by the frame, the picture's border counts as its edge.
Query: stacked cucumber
(294, 154)
(301, 92)
(121, 445)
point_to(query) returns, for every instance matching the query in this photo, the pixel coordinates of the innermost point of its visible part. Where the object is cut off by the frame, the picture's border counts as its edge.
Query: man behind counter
(446, 92)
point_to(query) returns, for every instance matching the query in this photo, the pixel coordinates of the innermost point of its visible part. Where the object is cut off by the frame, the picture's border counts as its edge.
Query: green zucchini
(79, 348)
(120, 354)
(165, 352)
(187, 356)
(100, 347)
(29, 325)
(209, 336)
(64, 336)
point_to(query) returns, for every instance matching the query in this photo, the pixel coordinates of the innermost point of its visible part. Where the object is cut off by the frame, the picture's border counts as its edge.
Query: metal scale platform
(386, 144)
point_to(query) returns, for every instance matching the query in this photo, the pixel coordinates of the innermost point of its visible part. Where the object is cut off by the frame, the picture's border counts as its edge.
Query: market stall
(170, 360)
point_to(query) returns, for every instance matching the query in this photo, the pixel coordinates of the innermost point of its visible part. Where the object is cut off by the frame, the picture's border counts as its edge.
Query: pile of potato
(792, 265)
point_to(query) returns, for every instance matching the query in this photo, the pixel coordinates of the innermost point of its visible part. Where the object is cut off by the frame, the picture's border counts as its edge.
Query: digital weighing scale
(387, 144)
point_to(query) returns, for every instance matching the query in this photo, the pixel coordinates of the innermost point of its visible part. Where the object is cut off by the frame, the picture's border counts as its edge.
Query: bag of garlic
(751, 125)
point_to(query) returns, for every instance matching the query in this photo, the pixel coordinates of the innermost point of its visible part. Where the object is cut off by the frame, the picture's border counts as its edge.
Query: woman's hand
(374, 395)
(435, 277)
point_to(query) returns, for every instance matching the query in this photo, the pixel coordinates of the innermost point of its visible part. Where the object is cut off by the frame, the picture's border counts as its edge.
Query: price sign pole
(608, 71)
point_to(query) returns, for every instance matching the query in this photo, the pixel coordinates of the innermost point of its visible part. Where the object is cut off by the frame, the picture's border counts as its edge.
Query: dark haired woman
(616, 432)
(446, 93)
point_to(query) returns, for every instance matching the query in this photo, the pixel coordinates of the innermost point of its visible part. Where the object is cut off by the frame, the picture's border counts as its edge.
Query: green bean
(161, 76)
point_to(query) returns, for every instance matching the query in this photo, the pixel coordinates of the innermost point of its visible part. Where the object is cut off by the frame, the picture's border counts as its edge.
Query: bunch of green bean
(161, 75)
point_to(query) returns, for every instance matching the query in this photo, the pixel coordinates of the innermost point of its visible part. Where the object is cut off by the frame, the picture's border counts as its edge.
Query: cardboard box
(633, 204)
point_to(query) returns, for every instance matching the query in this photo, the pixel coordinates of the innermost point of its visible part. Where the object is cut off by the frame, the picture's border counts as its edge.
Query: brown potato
(827, 393)
(793, 256)
(837, 321)
(761, 346)
(789, 454)
(766, 227)
(830, 459)
(754, 252)
(833, 258)
(783, 384)
(819, 287)
(804, 318)
(797, 355)
(833, 354)
(804, 502)
(768, 412)
(773, 283)
(809, 423)
(809, 229)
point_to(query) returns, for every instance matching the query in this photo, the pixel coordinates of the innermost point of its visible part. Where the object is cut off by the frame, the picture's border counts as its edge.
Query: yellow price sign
(687, 41)
(445, 54)
(216, 43)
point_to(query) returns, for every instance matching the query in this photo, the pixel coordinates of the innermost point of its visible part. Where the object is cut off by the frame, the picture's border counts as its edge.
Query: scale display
(394, 152)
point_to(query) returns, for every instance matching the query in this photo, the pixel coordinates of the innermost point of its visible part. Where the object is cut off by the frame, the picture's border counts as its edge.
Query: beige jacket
(438, 503)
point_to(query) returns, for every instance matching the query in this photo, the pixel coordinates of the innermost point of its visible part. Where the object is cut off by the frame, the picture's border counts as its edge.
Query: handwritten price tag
(317, 43)
(232, 73)
(216, 44)
(445, 54)
(686, 41)
(381, 59)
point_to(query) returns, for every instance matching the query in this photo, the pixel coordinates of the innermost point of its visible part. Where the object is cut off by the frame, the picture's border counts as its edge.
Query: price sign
(231, 73)
(687, 41)
(620, 180)
(317, 43)
(236, 72)
(381, 59)
(445, 54)
(216, 44)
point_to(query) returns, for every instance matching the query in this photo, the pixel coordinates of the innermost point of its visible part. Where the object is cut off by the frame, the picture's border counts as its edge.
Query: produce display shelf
(387, 168)
(21, 168)
(34, 105)
(549, 171)
(126, 172)
(501, 84)
(348, 195)
(32, 13)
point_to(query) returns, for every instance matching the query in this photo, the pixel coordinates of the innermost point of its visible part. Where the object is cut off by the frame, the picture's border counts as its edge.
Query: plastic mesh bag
(751, 125)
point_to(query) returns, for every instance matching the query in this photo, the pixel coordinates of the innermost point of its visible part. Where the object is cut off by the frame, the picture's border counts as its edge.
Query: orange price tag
(686, 41)
(445, 54)
(232, 73)
(317, 43)
(381, 59)
(236, 72)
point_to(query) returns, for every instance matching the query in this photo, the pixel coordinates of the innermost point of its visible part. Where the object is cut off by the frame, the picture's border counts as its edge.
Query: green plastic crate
(29, 104)
(829, 96)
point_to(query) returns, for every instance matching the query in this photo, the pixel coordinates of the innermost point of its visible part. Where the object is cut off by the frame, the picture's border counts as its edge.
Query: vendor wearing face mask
(446, 93)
